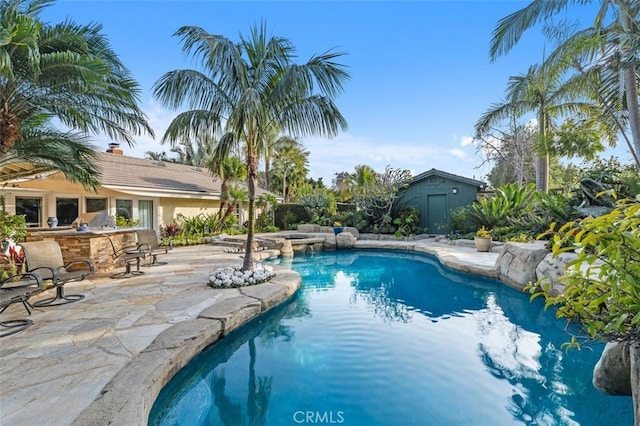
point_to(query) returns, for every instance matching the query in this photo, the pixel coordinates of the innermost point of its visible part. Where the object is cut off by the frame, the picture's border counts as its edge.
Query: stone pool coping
(105, 359)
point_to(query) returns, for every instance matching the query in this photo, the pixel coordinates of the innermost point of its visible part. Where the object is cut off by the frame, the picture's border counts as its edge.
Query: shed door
(437, 214)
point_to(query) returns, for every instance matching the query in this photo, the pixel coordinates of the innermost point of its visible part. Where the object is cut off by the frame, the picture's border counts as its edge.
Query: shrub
(460, 220)
(602, 292)
(407, 222)
(287, 215)
(12, 227)
(124, 222)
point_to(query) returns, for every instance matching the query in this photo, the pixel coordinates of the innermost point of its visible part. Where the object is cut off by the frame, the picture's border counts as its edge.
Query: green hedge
(291, 214)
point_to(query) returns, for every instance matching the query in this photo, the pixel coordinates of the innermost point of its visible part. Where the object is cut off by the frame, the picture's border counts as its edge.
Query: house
(435, 194)
(152, 192)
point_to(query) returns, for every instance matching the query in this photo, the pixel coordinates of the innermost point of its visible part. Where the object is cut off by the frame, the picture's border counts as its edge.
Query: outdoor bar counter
(92, 244)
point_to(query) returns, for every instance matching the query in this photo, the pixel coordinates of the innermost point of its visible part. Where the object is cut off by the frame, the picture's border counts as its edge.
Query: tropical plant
(489, 212)
(126, 222)
(196, 152)
(506, 207)
(244, 91)
(267, 204)
(274, 143)
(66, 73)
(407, 222)
(611, 51)
(460, 221)
(236, 195)
(602, 285)
(12, 227)
(229, 170)
(546, 93)
(320, 201)
(376, 198)
(290, 166)
(363, 176)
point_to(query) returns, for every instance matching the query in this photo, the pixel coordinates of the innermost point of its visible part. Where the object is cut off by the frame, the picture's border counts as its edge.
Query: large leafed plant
(602, 291)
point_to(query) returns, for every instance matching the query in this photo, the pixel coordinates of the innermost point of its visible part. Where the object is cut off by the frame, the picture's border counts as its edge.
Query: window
(145, 213)
(96, 205)
(31, 208)
(124, 208)
(66, 210)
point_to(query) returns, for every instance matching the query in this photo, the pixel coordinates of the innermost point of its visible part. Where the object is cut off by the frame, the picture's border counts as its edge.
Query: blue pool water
(389, 338)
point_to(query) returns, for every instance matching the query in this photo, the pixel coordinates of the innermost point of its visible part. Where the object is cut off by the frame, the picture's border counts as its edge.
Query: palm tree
(290, 165)
(67, 72)
(542, 91)
(229, 170)
(274, 142)
(362, 177)
(155, 156)
(623, 35)
(245, 90)
(196, 153)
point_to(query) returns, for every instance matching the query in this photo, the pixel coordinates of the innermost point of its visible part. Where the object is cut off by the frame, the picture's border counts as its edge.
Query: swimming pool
(392, 338)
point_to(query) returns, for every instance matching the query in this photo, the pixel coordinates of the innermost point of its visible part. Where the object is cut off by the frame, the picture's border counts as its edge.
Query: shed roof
(436, 172)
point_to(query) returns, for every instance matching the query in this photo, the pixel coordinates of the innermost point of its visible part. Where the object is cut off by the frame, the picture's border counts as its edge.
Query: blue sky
(420, 70)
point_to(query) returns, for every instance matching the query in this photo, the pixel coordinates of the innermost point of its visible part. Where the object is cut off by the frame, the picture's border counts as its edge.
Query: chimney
(114, 148)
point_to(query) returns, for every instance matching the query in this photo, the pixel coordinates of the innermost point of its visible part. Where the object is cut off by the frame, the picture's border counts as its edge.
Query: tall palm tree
(290, 165)
(196, 152)
(544, 92)
(363, 176)
(624, 32)
(274, 143)
(67, 72)
(245, 90)
(229, 170)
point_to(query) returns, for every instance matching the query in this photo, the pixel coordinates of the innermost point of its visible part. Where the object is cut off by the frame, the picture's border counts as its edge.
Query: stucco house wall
(153, 192)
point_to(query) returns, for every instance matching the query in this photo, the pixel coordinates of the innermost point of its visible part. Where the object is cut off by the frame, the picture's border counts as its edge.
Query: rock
(345, 240)
(330, 243)
(516, 264)
(353, 231)
(612, 373)
(310, 227)
(281, 244)
(552, 268)
(634, 355)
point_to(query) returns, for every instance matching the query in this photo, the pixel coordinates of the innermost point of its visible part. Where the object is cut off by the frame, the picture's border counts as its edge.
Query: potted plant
(337, 228)
(483, 239)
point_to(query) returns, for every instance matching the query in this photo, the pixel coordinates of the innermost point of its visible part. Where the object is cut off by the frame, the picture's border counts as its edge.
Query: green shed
(435, 193)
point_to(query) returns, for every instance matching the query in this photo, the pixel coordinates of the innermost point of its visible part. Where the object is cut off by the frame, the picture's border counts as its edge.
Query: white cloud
(342, 153)
(459, 154)
(466, 141)
(346, 151)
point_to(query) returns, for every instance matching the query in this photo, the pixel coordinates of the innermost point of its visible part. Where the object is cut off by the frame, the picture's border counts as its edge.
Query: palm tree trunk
(542, 160)
(224, 191)
(267, 170)
(252, 178)
(629, 75)
(633, 108)
(284, 186)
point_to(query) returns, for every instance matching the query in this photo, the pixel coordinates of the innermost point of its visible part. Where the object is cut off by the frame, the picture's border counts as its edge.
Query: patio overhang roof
(16, 172)
(161, 193)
